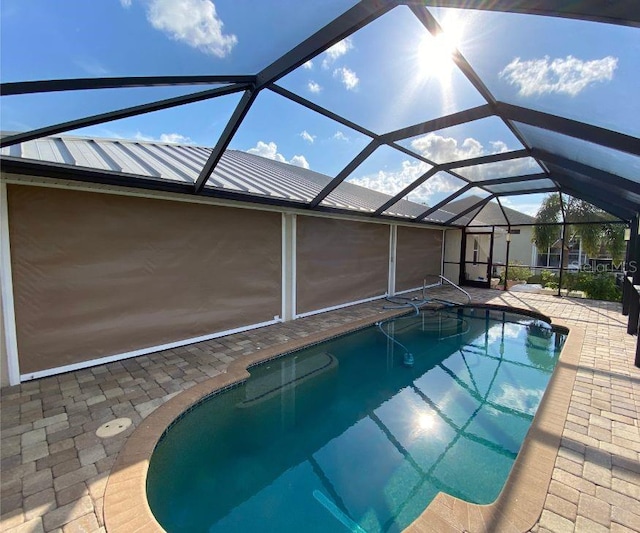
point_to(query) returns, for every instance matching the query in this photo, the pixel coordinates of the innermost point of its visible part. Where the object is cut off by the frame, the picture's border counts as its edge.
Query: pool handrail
(457, 287)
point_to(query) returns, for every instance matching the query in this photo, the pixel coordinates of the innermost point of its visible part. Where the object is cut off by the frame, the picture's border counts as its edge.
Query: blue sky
(390, 74)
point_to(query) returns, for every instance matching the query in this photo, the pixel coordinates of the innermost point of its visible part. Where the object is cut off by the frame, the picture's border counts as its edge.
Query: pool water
(344, 436)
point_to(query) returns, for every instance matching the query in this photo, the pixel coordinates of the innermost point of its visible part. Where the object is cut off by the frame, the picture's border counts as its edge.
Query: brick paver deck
(54, 468)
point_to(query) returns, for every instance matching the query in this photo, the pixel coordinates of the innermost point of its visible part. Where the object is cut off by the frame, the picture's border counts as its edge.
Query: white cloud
(194, 22)
(308, 65)
(508, 331)
(299, 161)
(445, 149)
(440, 183)
(336, 51)
(392, 182)
(499, 147)
(519, 398)
(308, 137)
(439, 149)
(139, 136)
(125, 3)
(339, 136)
(529, 208)
(561, 75)
(347, 77)
(314, 87)
(175, 138)
(270, 151)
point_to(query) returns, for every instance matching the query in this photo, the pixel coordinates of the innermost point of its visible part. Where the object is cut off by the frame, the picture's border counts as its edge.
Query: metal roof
(588, 161)
(237, 171)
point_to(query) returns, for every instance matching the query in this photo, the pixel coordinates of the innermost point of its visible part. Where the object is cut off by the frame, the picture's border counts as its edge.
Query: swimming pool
(344, 436)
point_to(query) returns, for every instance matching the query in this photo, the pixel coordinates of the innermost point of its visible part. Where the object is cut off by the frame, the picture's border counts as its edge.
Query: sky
(390, 74)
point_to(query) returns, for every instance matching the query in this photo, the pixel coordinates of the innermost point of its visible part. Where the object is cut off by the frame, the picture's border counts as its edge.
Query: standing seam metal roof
(238, 171)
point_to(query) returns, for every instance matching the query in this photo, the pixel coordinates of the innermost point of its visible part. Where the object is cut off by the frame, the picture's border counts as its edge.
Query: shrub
(601, 286)
(549, 279)
(517, 272)
(572, 281)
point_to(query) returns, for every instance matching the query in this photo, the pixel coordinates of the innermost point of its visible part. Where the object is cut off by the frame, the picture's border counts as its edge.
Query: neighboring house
(521, 250)
(552, 257)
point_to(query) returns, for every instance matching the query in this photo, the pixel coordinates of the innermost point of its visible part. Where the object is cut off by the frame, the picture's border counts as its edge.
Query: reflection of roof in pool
(359, 400)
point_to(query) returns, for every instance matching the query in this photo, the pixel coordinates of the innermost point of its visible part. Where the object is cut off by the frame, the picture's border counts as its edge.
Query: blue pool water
(343, 436)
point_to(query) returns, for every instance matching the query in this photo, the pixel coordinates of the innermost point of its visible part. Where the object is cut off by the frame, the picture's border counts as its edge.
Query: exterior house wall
(96, 275)
(102, 275)
(339, 262)
(418, 257)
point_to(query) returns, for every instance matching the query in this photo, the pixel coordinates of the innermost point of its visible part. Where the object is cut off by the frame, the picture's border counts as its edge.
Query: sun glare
(435, 54)
(426, 421)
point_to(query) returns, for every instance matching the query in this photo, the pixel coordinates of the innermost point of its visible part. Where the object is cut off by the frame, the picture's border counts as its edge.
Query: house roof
(237, 171)
(491, 214)
(556, 144)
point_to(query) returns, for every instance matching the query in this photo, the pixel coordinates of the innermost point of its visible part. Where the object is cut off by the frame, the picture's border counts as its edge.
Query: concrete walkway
(54, 468)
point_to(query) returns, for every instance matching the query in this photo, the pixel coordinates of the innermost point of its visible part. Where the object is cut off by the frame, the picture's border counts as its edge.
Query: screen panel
(339, 262)
(418, 257)
(96, 275)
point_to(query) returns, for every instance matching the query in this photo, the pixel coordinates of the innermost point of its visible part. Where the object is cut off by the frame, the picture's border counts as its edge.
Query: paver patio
(54, 468)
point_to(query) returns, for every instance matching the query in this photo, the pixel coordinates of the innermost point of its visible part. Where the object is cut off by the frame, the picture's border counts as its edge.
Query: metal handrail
(457, 287)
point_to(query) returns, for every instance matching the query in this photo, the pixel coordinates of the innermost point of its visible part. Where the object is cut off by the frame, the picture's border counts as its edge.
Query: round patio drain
(113, 427)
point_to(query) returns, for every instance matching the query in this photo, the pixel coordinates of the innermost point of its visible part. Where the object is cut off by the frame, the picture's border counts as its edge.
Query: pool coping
(517, 508)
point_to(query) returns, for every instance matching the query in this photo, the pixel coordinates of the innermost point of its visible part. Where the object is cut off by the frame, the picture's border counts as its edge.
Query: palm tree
(601, 234)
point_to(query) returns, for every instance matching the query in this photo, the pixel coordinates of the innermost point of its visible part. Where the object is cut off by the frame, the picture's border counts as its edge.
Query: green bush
(600, 286)
(517, 272)
(572, 281)
(549, 279)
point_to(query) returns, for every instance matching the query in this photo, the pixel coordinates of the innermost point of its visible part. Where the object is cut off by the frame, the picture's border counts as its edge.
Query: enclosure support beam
(83, 84)
(562, 241)
(623, 13)
(289, 290)
(120, 114)
(349, 22)
(572, 128)
(8, 311)
(595, 174)
(393, 245)
(232, 126)
(404, 192)
(366, 152)
(506, 259)
(478, 205)
(440, 123)
(444, 202)
(484, 159)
